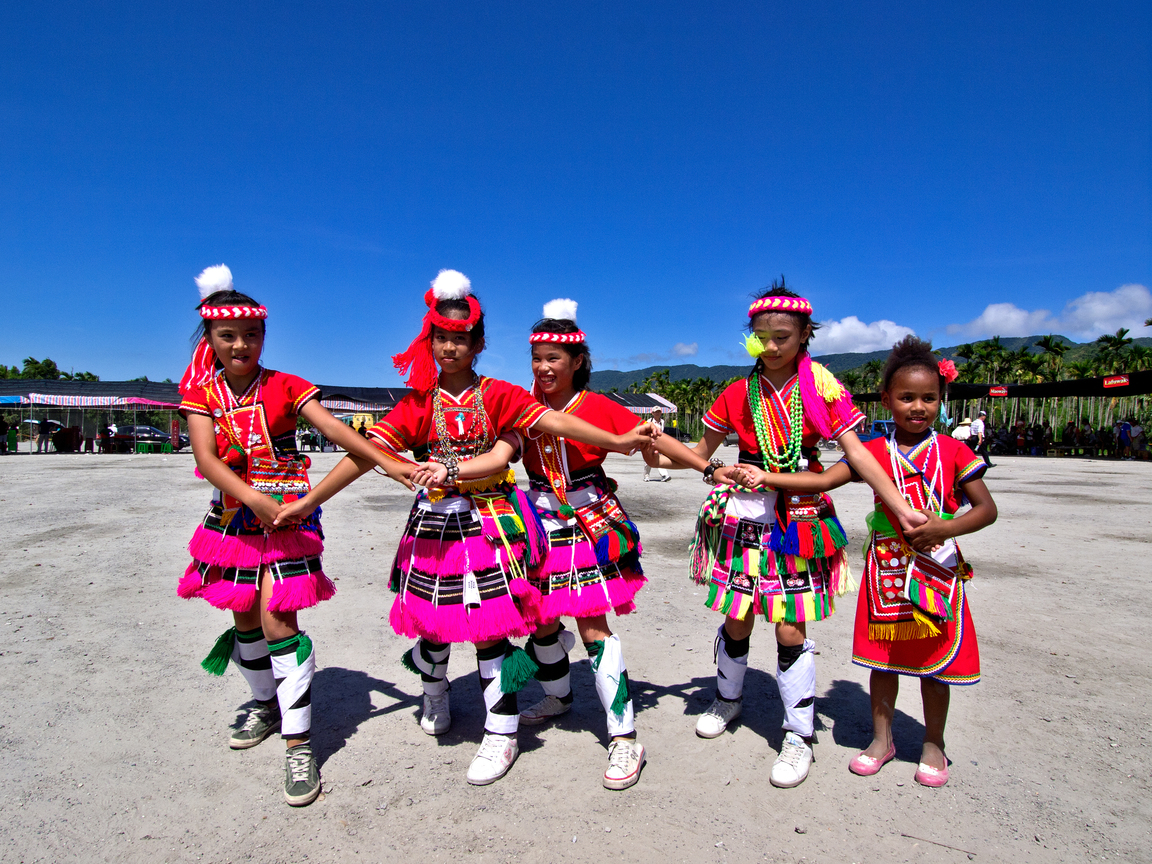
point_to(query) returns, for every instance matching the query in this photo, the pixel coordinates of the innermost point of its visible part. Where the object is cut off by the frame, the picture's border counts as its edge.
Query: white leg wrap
(729, 671)
(553, 661)
(294, 684)
(798, 692)
(503, 717)
(433, 666)
(251, 658)
(609, 677)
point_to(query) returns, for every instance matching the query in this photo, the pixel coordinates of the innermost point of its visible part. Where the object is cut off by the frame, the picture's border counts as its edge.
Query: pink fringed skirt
(579, 577)
(459, 573)
(230, 548)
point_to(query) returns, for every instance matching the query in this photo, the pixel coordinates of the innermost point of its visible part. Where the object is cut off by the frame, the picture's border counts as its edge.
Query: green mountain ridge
(612, 379)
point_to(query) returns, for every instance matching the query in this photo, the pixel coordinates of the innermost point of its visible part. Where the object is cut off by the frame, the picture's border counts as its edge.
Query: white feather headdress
(213, 279)
(451, 285)
(561, 309)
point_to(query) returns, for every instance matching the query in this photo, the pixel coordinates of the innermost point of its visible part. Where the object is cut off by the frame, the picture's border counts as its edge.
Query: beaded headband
(780, 304)
(562, 338)
(215, 312)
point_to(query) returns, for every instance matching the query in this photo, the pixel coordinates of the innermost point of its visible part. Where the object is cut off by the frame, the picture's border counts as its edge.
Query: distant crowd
(1125, 439)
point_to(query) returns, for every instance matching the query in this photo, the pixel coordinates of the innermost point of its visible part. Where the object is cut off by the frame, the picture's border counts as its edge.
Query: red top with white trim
(596, 409)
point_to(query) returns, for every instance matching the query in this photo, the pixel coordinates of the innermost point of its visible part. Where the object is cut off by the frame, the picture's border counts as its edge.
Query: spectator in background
(4, 427)
(978, 438)
(1139, 440)
(1124, 438)
(657, 419)
(963, 430)
(44, 435)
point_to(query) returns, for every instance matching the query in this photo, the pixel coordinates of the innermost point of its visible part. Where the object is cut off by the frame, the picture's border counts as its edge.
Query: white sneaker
(625, 759)
(493, 759)
(720, 713)
(791, 766)
(544, 710)
(436, 717)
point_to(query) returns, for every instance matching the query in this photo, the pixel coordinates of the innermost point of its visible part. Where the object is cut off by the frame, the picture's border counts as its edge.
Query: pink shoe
(926, 775)
(866, 766)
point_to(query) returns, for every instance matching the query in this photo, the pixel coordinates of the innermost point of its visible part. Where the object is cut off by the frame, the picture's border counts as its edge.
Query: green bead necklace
(775, 460)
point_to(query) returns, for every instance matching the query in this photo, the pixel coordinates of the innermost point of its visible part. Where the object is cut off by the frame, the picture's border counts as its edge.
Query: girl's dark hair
(912, 352)
(779, 289)
(580, 349)
(223, 298)
(443, 307)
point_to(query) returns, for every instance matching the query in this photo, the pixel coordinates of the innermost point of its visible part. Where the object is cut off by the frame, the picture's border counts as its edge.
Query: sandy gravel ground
(113, 742)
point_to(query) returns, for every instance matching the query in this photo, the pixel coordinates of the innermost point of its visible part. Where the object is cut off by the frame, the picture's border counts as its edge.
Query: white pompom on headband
(451, 285)
(560, 309)
(213, 279)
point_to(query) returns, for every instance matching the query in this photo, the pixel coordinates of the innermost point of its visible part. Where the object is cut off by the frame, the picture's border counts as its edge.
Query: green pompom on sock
(622, 695)
(407, 662)
(516, 670)
(216, 663)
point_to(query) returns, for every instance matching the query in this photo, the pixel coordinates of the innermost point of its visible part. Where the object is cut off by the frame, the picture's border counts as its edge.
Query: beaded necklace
(786, 457)
(445, 452)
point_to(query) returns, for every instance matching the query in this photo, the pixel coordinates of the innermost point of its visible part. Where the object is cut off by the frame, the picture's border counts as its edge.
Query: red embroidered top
(264, 415)
(410, 425)
(596, 409)
(950, 461)
(732, 413)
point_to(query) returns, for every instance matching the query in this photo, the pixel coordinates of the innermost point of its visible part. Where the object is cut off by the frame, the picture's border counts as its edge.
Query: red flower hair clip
(948, 370)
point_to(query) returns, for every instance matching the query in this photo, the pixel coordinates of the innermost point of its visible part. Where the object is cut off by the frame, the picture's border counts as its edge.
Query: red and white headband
(780, 304)
(561, 309)
(203, 366)
(217, 312)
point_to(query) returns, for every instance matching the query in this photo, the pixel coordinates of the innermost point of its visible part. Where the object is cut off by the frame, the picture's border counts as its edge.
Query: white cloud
(853, 335)
(1084, 318)
(682, 350)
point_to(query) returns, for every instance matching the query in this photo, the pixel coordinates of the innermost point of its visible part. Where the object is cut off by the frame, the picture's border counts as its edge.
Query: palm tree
(1054, 351)
(1111, 349)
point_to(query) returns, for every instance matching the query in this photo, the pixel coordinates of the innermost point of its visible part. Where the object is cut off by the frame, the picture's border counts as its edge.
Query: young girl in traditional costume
(461, 571)
(242, 424)
(780, 555)
(592, 566)
(912, 615)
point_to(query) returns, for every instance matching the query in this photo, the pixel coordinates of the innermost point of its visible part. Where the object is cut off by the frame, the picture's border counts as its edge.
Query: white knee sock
(503, 718)
(730, 671)
(294, 664)
(432, 661)
(551, 655)
(612, 684)
(797, 686)
(251, 657)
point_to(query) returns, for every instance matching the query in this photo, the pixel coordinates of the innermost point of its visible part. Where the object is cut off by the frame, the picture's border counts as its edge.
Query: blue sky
(954, 170)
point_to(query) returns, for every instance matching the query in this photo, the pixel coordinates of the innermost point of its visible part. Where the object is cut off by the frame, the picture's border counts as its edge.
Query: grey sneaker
(437, 718)
(544, 710)
(301, 776)
(263, 720)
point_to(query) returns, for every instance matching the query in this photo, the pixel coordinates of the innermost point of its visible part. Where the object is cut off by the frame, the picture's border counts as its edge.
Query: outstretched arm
(704, 448)
(434, 475)
(334, 430)
(347, 469)
(569, 426)
(936, 530)
(802, 481)
(869, 469)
